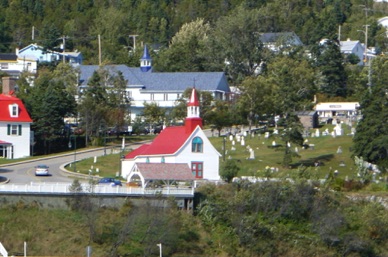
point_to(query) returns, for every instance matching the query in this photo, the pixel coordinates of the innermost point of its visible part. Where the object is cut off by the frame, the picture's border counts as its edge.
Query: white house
(162, 88)
(186, 144)
(14, 124)
(14, 65)
(337, 110)
(353, 47)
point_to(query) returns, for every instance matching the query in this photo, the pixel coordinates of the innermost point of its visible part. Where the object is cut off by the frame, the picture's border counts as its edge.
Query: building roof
(5, 102)
(165, 171)
(193, 98)
(162, 81)
(8, 57)
(167, 142)
(348, 45)
(4, 143)
(146, 54)
(288, 37)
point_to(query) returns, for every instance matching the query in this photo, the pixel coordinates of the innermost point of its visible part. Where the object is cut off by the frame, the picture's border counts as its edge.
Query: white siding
(21, 144)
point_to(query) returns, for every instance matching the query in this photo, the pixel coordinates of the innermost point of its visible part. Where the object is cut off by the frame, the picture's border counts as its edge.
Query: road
(24, 172)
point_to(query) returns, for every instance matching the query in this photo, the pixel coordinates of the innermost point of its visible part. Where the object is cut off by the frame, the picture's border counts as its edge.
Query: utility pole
(99, 50)
(134, 41)
(64, 47)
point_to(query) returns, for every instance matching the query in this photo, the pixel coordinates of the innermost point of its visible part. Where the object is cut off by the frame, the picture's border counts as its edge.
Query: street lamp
(75, 151)
(160, 249)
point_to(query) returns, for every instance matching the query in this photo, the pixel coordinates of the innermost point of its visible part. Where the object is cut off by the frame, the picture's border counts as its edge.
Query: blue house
(38, 53)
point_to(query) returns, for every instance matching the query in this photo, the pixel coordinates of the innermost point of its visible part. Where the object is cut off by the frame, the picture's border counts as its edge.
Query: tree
(293, 85)
(256, 98)
(219, 116)
(329, 63)
(187, 49)
(291, 134)
(235, 40)
(371, 138)
(229, 170)
(153, 114)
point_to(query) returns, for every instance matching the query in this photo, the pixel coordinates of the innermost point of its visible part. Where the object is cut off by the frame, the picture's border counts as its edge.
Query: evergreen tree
(371, 139)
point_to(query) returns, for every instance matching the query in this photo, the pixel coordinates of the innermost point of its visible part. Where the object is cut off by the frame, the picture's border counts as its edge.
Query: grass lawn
(325, 151)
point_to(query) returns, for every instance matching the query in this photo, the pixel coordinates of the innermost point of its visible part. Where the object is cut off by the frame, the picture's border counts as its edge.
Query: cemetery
(326, 151)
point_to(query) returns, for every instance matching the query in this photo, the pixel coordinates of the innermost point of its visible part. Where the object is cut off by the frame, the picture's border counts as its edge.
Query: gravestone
(233, 148)
(296, 149)
(317, 133)
(251, 154)
(275, 132)
(231, 138)
(266, 135)
(233, 143)
(273, 143)
(242, 141)
(339, 150)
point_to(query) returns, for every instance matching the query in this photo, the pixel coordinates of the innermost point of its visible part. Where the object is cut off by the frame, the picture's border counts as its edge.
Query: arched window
(197, 145)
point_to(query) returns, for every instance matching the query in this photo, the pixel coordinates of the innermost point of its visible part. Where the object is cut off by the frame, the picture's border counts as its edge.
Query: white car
(41, 170)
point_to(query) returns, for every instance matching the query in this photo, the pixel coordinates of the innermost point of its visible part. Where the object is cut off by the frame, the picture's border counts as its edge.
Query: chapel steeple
(193, 118)
(145, 60)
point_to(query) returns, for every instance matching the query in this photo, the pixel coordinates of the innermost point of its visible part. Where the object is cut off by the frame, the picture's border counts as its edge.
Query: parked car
(110, 181)
(42, 170)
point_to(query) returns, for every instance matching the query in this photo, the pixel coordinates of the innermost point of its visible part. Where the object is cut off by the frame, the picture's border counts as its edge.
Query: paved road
(23, 172)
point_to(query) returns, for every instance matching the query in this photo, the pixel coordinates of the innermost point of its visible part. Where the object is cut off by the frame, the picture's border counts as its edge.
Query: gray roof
(348, 45)
(162, 81)
(288, 37)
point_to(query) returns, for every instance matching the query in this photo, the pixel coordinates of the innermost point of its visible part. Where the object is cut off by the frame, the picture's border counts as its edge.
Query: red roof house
(186, 144)
(14, 123)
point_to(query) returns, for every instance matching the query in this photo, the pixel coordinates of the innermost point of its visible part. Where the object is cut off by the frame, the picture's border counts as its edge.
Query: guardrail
(64, 188)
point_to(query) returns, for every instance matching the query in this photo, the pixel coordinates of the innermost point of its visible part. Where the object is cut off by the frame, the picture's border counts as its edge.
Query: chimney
(8, 85)
(17, 51)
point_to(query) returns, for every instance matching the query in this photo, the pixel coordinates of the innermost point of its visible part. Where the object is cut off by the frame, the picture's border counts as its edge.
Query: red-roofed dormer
(193, 118)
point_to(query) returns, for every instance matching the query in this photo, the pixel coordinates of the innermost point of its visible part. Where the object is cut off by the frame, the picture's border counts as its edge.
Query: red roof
(193, 99)
(5, 102)
(167, 142)
(4, 143)
(165, 171)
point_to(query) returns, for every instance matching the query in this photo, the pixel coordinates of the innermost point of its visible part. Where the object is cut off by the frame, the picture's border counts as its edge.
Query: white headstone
(317, 133)
(242, 141)
(339, 150)
(333, 134)
(251, 154)
(288, 144)
(233, 143)
(266, 135)
(233, 148)
(231, 138)
(275, 132)
(244, 133)
(238, 138)
(296, 149)
(273, 143)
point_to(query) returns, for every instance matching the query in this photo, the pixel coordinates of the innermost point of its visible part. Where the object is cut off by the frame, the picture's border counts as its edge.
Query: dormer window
(14, 110)
(197, 145)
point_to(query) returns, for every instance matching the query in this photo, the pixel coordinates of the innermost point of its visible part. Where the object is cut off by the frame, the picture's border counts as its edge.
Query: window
(197, 169)
(14, 130)
(14, 110)
(165, 96)
(4, 66)
(197, 145)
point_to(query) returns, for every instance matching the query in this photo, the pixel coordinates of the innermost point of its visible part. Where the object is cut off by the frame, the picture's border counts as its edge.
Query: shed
(309, 119)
